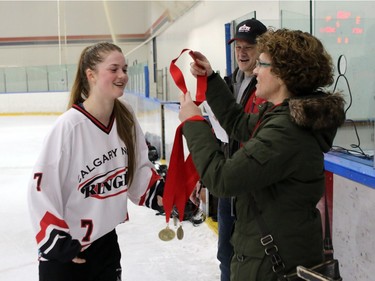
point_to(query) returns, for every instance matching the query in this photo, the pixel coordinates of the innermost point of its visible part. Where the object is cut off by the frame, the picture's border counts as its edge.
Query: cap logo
(244, 28)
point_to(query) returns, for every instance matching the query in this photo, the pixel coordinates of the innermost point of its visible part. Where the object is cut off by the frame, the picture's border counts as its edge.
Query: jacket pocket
(258, 150)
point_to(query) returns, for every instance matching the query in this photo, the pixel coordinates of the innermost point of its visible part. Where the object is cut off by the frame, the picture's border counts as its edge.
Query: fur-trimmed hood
(322, 113)
(318, 112)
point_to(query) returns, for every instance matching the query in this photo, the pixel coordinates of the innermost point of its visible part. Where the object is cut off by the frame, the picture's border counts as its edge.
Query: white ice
(144, 256)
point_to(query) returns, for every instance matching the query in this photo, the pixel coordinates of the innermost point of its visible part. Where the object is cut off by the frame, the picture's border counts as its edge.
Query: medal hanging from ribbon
(182, 175)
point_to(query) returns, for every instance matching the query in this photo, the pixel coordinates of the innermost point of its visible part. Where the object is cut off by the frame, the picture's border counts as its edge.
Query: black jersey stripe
(105, 129)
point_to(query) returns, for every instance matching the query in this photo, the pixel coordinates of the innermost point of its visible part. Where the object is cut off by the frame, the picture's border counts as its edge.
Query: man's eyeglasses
(262, 64)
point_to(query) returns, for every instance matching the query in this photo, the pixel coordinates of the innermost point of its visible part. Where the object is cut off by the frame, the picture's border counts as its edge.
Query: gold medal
(166, 234)
(180, 232)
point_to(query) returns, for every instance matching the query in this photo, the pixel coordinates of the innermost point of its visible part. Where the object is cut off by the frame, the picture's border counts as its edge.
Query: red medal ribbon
(182, 175)
(178, 78)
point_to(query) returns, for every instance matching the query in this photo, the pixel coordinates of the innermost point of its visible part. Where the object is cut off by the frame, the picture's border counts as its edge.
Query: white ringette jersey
(78, 191)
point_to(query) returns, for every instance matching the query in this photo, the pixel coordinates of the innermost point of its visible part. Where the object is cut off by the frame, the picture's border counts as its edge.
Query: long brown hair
(90, 57)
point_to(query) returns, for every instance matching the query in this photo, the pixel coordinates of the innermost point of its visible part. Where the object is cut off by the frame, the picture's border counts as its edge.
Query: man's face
(246, 56)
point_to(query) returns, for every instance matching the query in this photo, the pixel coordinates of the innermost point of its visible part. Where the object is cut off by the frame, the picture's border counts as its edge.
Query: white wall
(202, 29)
(67, 18)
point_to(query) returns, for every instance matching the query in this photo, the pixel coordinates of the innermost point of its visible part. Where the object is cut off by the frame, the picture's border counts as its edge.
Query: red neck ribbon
(182, 175)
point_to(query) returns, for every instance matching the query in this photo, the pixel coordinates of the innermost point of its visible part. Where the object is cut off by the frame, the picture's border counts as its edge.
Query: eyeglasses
(262, 64)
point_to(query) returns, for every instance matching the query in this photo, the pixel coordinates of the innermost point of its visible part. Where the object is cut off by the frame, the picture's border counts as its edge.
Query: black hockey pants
(102, 263)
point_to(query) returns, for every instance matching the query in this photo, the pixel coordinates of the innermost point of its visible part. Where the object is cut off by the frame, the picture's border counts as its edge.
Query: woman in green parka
(281, 161)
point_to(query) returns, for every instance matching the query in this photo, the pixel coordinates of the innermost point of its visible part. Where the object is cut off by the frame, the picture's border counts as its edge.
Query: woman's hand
(201, 66)
(188, 108)
(78, 260)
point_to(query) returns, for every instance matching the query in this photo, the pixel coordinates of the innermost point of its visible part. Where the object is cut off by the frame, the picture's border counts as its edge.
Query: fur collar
(320, 111)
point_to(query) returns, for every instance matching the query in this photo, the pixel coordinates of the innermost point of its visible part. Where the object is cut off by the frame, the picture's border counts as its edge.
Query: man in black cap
(242, 83)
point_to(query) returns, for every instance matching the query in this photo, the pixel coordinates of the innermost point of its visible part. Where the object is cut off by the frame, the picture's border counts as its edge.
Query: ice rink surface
(144, 256)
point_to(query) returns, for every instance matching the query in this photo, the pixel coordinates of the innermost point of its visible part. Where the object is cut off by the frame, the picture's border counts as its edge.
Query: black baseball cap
(248, 30)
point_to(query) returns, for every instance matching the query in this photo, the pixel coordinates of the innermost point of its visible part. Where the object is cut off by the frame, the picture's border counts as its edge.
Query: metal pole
(5, 82)
(162, 131)
(27, 80)
(311, 17)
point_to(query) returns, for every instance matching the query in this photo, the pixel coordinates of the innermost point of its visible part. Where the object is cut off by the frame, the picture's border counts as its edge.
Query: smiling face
(109, 78)
(269, 86)
(246, 56)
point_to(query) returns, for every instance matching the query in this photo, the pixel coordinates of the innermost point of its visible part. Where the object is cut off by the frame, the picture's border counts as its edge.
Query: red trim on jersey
(47, 220)
(154, 178)
(127, 217)
(106, 129)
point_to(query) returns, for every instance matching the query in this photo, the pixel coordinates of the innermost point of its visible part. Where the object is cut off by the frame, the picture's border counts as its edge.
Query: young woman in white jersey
(94, 159)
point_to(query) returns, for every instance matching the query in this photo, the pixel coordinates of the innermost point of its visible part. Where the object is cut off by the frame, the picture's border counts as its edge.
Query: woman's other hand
(188, 108)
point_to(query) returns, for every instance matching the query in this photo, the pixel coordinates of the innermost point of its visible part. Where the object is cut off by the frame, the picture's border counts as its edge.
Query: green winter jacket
(281, 163)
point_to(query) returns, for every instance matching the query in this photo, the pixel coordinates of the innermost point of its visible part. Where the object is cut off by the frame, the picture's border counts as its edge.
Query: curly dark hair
(299, 59)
